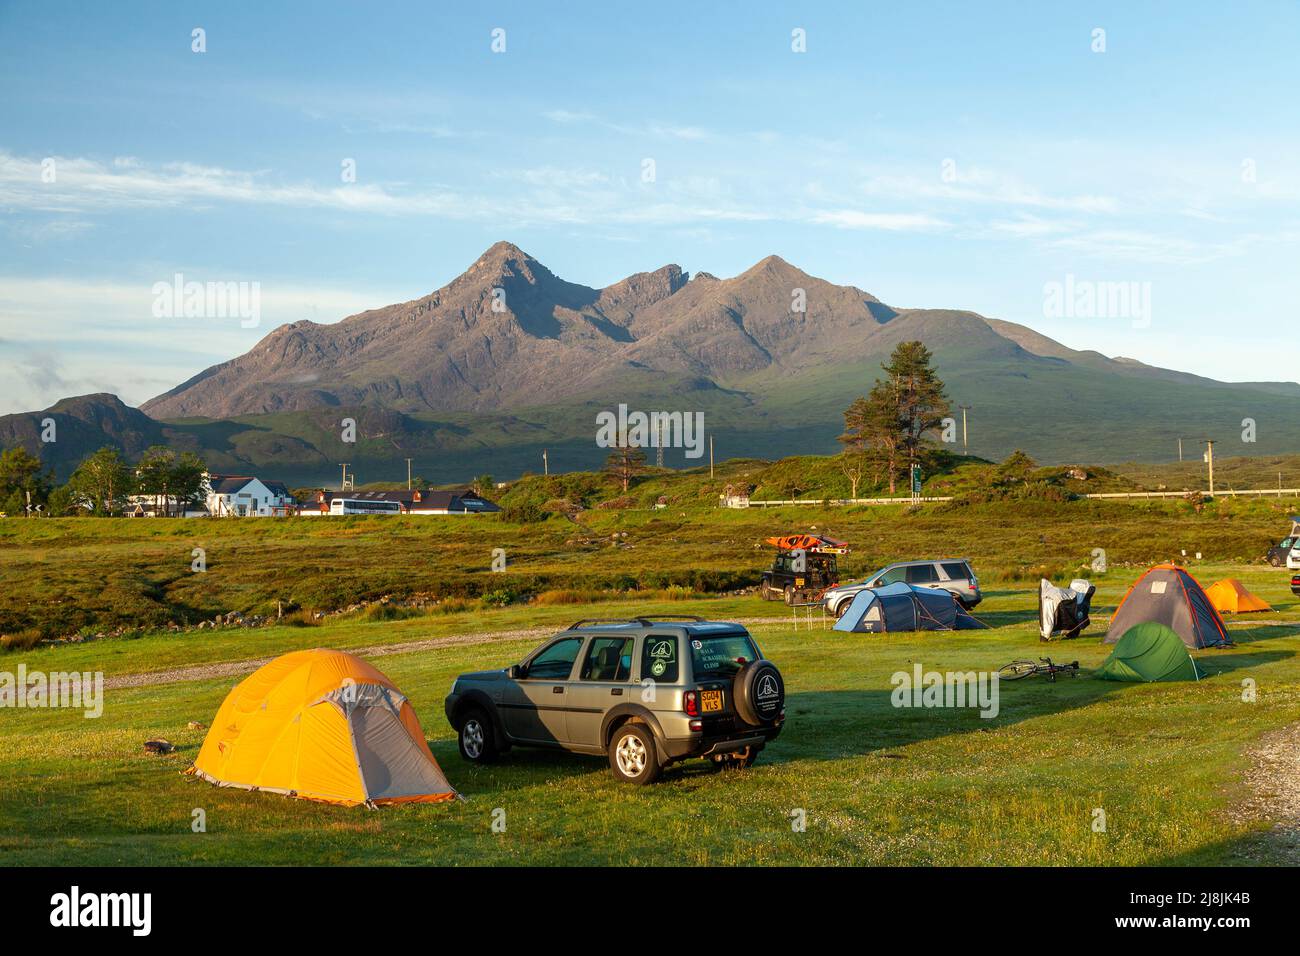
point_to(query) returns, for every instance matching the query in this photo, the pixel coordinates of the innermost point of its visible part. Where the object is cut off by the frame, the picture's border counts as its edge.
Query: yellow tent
(321, 725)
(1231, 595)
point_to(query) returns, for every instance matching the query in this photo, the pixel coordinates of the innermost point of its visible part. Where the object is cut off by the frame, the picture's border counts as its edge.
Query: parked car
(1282, 551)
(646, 692)
(1295, 584)
(950, 574)
(1287, 551)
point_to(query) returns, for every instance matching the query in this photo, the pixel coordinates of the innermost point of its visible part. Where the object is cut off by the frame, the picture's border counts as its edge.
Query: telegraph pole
(546, 466)
(710, 456)
(408, 474)
(1180, 448)
(1209, 460)
(964, 447)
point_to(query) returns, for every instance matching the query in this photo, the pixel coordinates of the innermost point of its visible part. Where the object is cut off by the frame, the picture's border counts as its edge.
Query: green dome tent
(1150, 651)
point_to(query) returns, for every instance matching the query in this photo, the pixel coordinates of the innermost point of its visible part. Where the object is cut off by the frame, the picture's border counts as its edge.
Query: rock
(196, 725)
(159, 746)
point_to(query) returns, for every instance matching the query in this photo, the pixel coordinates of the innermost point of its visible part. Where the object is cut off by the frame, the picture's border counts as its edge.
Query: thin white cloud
(61, 337)
(888, 221)
(569, 116)
(983, 186)
(558, 196)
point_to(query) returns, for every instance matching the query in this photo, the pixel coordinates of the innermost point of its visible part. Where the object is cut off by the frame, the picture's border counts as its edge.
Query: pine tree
(918, 398)
(888, 427)
(624, 463)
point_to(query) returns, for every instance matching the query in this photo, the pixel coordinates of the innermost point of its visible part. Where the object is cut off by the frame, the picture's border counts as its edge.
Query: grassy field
(879, 785)
(62, 577)
(1166, 763)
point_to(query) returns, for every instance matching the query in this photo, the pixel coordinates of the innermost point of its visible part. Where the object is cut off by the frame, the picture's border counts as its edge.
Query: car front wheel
(477, 738)
(632, 757)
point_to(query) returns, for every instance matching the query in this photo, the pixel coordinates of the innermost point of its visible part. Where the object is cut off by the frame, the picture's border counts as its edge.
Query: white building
(246, 496)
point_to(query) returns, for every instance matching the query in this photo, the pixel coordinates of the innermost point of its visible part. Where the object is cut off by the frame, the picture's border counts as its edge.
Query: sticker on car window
(697, 644)
(663, 650)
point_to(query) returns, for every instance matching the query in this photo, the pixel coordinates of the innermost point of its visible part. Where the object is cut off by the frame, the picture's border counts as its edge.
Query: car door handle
(557, 690)
(616, 692)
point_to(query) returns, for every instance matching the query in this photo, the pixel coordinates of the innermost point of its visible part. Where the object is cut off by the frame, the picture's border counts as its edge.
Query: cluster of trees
(888, 430)
(102, 484)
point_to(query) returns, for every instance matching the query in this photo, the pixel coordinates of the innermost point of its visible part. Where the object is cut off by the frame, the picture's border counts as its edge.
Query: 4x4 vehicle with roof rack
(645, 692)
(949, 574)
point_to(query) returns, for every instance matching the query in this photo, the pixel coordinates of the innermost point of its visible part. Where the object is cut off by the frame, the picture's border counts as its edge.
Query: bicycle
(1020, 669)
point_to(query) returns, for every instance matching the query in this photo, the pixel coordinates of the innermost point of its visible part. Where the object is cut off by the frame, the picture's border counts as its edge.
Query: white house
(246, 496)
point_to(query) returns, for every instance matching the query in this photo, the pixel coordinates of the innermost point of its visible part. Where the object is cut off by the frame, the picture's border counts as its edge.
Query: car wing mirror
(516, 671)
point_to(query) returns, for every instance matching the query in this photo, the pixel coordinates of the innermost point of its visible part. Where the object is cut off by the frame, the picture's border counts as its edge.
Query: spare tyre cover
(759, 693)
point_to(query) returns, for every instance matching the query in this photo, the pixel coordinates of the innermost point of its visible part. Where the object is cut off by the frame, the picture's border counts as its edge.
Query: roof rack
(644, 620)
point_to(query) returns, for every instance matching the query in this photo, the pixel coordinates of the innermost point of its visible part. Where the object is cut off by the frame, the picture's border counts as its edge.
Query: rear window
(720, 655)
(956, 570)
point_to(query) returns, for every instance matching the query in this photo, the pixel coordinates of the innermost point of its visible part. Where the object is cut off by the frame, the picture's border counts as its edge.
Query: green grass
(879, 785)
(82, 575)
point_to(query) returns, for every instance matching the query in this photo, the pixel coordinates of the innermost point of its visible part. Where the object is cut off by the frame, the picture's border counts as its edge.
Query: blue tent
(902, 607)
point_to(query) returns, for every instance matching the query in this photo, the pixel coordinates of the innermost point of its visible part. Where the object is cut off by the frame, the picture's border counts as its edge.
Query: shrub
(391, 612)
(21, 640)
(556, 596)
(499, 597)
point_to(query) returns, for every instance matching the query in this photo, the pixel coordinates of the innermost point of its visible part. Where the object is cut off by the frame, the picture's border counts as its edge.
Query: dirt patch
(177, 675)
(1273, 795)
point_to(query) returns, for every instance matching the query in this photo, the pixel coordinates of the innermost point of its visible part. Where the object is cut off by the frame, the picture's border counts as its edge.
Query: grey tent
(1170, 596)
(902, 607)
(1064, 609)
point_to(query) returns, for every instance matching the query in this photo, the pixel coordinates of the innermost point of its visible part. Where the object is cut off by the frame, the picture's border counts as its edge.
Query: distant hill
(509, 359)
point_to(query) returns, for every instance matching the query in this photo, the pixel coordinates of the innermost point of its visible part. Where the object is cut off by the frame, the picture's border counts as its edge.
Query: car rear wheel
(632, 756)
(1275, 561)
(477, 738)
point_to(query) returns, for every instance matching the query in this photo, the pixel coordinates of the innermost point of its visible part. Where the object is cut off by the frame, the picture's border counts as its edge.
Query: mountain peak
(772, 265)
(75, 403)
(502, 251)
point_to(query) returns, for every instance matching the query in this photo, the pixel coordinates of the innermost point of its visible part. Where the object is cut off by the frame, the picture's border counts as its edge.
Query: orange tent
(1231, 595)
(321, 725)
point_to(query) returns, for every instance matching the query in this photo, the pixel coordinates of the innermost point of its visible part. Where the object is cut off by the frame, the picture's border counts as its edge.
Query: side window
(893, 576)
(608, 659)
(659, 653)
(922, 574)
(956, 570)
(556, 662)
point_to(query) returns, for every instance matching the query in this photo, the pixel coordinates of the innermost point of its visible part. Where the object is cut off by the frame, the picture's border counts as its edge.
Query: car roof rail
(643, 620)
(583, 622)
(691, 618)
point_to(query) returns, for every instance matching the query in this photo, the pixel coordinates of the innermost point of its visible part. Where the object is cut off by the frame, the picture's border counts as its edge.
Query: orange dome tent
(321, 725)
(1231, 595)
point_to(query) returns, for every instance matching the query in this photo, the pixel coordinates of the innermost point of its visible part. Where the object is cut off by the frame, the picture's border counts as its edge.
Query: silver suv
(950, 574)
(645, 692)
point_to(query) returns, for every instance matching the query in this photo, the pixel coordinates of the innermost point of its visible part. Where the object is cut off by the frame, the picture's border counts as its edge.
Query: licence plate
(710, 701)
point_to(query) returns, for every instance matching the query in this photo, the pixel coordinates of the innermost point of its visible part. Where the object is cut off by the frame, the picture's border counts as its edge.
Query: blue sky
(937, 155)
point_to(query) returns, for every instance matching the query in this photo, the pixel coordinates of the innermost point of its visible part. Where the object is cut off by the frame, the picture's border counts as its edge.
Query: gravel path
(1273, 785)
(178, 675)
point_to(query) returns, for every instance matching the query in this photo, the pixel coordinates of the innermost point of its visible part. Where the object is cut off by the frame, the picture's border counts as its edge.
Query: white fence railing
(1230, 493)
